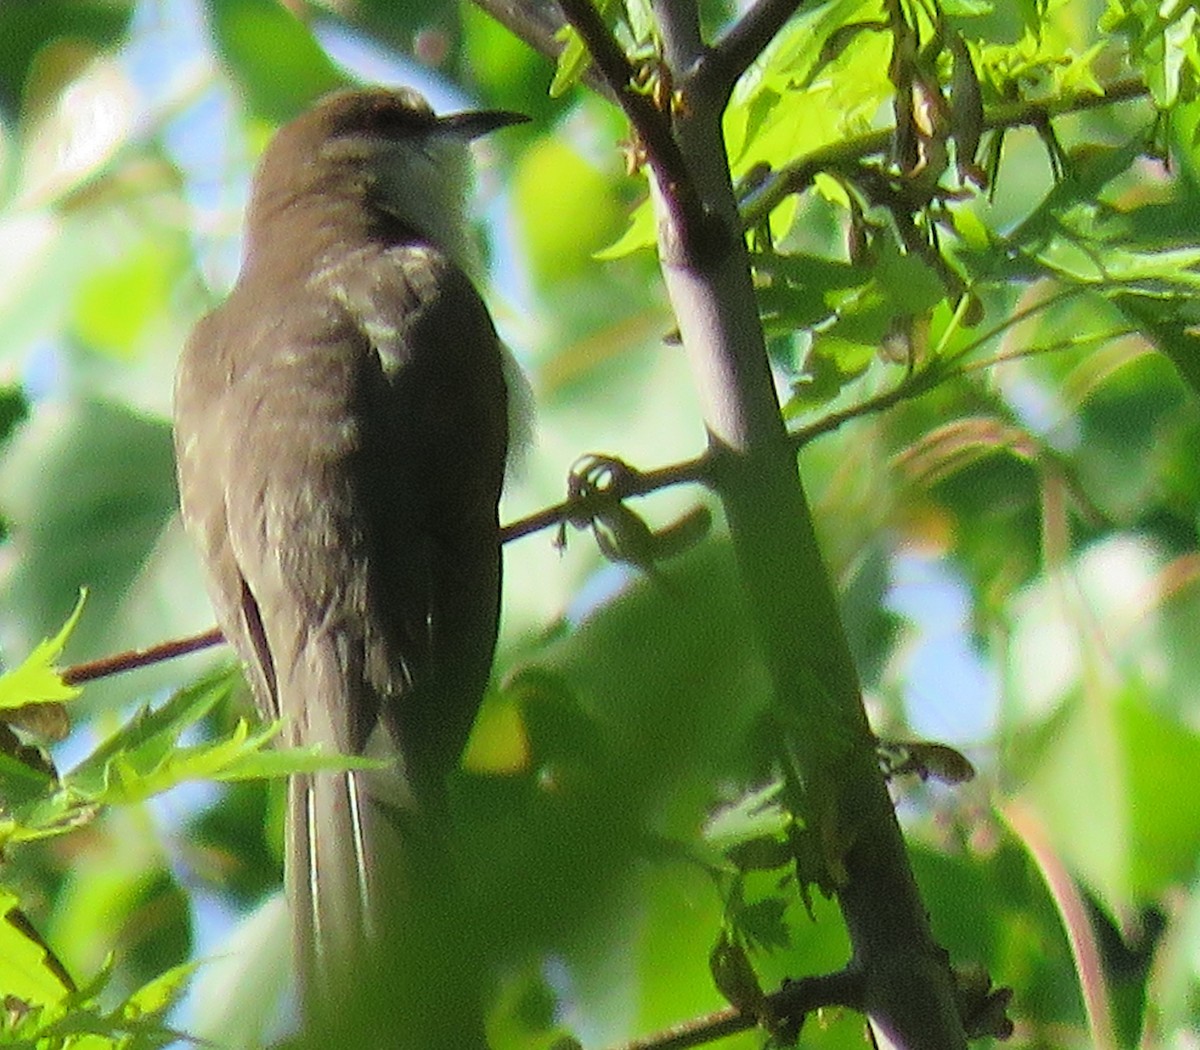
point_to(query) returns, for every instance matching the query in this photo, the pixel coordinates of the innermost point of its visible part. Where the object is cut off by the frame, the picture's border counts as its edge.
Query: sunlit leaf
(37, 680)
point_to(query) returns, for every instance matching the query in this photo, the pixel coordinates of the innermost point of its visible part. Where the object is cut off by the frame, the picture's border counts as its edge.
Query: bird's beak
(473, 123)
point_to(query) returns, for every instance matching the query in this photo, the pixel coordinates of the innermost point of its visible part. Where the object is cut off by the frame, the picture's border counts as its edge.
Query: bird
(341, 428)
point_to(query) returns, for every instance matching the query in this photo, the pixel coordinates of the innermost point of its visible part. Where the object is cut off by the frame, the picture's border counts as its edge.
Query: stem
(132, 659)
(908, 990)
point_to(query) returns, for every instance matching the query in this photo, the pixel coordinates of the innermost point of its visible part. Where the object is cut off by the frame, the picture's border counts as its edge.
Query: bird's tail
(377, 918)
(331, 873)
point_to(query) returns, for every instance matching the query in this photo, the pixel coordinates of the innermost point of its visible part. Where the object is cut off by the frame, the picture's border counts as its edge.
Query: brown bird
(341, 432)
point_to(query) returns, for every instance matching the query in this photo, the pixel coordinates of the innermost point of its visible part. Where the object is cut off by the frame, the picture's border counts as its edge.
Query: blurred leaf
(239, 989)
(1129, 400)
(116, 303)
(989, 905)
(88, 488)
(272, 57)
(1114, 782)
(567, 207)
(27, 28)
(14, 409)
(1163, 795)
(82, 1022)
(510, 74)
(237, 845)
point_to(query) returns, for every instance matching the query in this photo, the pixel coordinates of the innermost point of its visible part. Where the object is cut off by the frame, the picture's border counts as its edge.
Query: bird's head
(382, 150)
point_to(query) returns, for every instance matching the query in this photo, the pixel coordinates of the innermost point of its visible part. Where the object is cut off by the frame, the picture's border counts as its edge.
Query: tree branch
(132, 659)
(908, 987)
(698, 471)
(743, 42)
(651, 126)
(792, 1002)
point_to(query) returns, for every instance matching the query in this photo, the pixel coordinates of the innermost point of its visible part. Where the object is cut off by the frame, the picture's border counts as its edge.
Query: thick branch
(908, 990)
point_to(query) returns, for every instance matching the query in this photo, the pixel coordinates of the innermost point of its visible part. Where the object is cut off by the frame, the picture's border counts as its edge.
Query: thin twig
(698, 470)
(794, 1000)
(631, 483)
(132, 659)
(635, 483)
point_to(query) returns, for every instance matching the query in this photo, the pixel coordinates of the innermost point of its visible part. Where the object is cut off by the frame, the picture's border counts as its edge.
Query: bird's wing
(433, 466)
(341, 456)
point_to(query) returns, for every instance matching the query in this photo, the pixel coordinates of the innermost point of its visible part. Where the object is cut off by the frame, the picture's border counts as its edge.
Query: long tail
(330, 874)
(373, 900)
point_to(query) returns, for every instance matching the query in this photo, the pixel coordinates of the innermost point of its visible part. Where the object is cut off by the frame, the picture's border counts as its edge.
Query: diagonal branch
(132, 659)
(908, 988)
(534, 21)
(792, 1002)
(720, 68)
(651, 126)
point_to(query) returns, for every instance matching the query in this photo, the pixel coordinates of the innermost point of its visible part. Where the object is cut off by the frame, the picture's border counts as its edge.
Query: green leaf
(1174, 327)
(1082, 186)
(573, 62)
(158, 995)
(160, 764)
(29, 970)
(147, 737)
(20, 783)
(641, 233)
(145, 757)
(256, 763)
(36, 680)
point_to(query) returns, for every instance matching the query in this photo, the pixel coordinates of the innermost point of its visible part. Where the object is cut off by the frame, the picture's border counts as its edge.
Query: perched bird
(341, 432)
